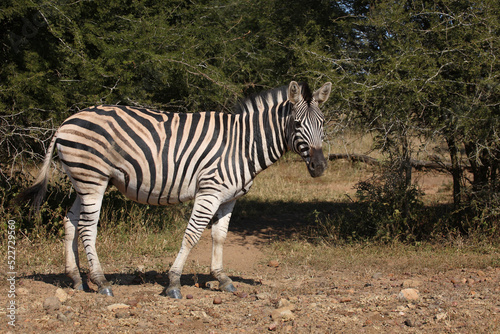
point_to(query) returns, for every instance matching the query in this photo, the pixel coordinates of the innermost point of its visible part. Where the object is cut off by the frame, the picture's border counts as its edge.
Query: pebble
(61, 317)
(241, 294)
(284, 314)
(263, 295)
(61, 295)
(118, 306)
(122, 314)
(189, 296)
(412, 283)
(22, 291)
(51, 304)
(212, 285)
(273, 264)
(273, 326)
(408, 295)
(284, 311)
(377, 276)
(133, 302)
(200, 315)
(409, 323)
(282, 303)
(217, 300)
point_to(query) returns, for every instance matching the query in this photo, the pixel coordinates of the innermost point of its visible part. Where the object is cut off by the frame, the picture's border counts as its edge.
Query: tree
(430, 69)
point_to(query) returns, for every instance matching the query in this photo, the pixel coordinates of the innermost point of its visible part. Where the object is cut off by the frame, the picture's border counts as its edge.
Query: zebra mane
(273, 94)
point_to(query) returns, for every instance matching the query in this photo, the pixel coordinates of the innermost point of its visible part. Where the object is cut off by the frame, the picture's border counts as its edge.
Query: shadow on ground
(258, 223)
(138, 278)
(282, 220)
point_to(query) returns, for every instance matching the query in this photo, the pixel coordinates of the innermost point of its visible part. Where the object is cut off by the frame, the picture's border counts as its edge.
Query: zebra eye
(298, 124)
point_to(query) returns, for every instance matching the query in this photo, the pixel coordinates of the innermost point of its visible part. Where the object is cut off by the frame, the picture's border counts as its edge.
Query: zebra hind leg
(71, 246)
(87, 228)
(219, 233)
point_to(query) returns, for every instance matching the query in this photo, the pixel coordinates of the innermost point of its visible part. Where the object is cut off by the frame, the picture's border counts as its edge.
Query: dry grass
(396, 258)
(290, 181)
(287, 181)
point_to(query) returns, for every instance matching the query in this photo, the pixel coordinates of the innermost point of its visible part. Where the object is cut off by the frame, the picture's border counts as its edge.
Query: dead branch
(417, 164)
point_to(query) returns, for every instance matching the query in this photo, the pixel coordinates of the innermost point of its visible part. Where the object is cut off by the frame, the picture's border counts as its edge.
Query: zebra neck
(265, 135)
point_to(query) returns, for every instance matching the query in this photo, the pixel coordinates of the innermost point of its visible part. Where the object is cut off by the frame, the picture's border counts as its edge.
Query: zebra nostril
(311, 165)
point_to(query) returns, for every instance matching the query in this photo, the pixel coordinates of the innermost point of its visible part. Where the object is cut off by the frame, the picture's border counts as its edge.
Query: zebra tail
(37, 191)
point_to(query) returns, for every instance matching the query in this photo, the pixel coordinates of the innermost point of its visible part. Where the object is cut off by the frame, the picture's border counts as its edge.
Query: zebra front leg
(87, 228)
(219, 233)
(203, 210)
(71, 246)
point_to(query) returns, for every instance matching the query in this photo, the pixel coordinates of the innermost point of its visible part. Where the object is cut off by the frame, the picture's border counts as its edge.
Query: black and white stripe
(162, 158)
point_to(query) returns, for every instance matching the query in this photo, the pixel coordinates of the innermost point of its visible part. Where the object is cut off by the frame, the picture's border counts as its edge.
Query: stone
(283, 314)
(61, 317)
(133, 302)
(272, 327)
(200, 315)
(408, 295)
(122, 314)
(51, 304)
(117, 306)
(212, 285)
(263, 295)
(412, 283)
(273, 264)
(282, 303)
(61, 295)
(217, 300)
(409, 323)
(240, 294)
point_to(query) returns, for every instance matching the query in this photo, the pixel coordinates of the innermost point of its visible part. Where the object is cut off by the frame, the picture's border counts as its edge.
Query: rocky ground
(272, 297)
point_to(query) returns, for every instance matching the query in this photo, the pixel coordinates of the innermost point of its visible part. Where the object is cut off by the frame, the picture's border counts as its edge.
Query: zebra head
(305, 127)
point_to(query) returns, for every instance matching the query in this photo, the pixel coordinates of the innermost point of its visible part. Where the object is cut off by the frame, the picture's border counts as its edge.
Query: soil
(272, 297)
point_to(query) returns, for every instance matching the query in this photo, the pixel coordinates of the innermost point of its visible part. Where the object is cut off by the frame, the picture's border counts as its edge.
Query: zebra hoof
(106, 291)
(174, 293)
(229, 287)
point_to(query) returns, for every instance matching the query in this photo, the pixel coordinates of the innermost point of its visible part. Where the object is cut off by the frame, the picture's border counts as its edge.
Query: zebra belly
(162, 193)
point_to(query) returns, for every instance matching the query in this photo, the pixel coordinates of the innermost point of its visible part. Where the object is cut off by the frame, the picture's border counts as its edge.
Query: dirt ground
(272, 297)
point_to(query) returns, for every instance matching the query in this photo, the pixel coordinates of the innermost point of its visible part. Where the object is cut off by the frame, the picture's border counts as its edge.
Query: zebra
(161, 158)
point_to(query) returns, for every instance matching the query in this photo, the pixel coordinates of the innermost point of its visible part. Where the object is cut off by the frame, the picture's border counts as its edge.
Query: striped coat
(161, 158)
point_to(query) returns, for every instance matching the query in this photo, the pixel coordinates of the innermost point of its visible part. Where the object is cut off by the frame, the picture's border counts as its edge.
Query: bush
(118, 213)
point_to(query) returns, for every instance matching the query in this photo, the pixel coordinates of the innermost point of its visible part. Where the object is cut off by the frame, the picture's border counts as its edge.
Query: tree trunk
(456, 171)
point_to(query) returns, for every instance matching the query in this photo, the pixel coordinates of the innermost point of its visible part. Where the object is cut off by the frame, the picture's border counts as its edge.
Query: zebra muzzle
(316, 162)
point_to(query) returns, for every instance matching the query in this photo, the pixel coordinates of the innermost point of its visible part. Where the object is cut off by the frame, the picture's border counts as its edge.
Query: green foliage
(118, 213)
(408, 71)
(392, 210)
(125, 216)
(48, 223)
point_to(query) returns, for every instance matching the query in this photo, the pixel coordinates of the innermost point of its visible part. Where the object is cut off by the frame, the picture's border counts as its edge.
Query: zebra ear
(294, 94)
(322, 94)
